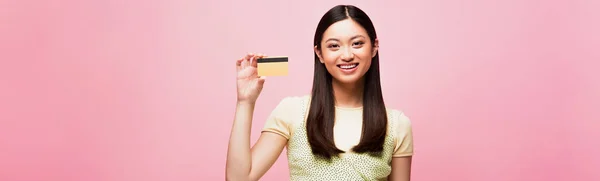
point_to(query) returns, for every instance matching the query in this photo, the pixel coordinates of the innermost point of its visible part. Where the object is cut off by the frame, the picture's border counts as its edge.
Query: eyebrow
(355, 36)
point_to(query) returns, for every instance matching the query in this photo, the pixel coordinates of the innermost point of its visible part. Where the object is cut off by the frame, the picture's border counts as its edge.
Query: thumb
(261, 80)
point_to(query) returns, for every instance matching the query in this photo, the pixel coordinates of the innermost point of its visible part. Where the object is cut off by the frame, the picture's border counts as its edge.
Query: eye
(333, 46)
(358, 43)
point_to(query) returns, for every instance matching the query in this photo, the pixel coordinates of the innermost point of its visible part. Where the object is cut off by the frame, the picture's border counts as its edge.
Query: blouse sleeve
(278, 120)
(404, 138)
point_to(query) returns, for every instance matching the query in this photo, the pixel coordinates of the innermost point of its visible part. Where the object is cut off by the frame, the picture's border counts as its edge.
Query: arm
(402, 158)
(245, 163)
(401, 167)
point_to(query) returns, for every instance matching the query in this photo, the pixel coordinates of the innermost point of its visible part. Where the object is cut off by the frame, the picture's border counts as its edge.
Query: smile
(348, 66)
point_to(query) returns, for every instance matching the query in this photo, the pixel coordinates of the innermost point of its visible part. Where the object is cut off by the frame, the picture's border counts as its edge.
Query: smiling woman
(342, 130)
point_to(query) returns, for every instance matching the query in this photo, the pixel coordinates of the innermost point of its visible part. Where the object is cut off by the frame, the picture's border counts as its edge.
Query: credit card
(272, 66)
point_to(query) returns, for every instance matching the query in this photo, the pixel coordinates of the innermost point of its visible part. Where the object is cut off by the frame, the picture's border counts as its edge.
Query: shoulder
(291, 107)
(285, 117)
(401, 117)
(293, 102)
(401, 129)
(401, 123)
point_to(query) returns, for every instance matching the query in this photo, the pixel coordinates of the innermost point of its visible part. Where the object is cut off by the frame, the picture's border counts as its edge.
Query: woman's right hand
(249, 84)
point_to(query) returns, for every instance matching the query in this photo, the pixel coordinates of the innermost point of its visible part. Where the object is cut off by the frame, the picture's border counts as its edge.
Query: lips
(348, 65)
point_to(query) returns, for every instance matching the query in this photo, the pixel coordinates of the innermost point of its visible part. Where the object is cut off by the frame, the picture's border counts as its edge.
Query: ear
(318, 52)
(375, 47)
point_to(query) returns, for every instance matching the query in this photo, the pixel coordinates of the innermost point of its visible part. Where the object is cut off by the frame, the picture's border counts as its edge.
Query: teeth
(348, 66)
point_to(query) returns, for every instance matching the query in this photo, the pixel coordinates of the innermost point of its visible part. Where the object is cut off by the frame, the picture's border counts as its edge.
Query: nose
(347, 55)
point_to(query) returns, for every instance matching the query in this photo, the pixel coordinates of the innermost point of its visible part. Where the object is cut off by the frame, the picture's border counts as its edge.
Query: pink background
(144, 90)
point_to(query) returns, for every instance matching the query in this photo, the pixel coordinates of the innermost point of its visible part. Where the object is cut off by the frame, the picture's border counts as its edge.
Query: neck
(348, 95)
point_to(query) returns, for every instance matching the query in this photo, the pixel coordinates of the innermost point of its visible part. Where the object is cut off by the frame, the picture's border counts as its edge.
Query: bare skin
(344, 42)
(245, 162)
(347, 42)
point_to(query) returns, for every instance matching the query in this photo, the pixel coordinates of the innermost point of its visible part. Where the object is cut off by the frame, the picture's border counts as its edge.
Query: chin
(347, 79)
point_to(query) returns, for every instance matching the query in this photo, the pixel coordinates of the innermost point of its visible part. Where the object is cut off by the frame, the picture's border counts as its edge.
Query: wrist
(246, 103)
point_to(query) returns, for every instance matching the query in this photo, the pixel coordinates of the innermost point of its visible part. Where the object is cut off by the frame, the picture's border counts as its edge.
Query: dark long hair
(321, 116)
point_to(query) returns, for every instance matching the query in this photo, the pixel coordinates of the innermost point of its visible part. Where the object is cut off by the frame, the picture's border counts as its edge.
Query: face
(346, 51)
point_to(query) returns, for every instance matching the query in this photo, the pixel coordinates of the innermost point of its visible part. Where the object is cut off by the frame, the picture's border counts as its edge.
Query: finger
(248, 56)
(261, 80)
(262, 56)
(254, 62)
(246, 61)
(238, 64)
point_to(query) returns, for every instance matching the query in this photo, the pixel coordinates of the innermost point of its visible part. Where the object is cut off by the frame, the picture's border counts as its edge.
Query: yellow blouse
(288, 120)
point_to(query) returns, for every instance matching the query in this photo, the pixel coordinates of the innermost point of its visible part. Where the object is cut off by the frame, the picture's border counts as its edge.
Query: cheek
(330, 57)
(366, 57)
(364, 53)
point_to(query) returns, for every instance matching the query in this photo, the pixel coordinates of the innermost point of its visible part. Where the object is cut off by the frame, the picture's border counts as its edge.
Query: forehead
(344, 29)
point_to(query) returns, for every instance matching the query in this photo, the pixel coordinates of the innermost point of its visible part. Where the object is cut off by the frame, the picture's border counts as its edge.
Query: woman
(342, 130)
